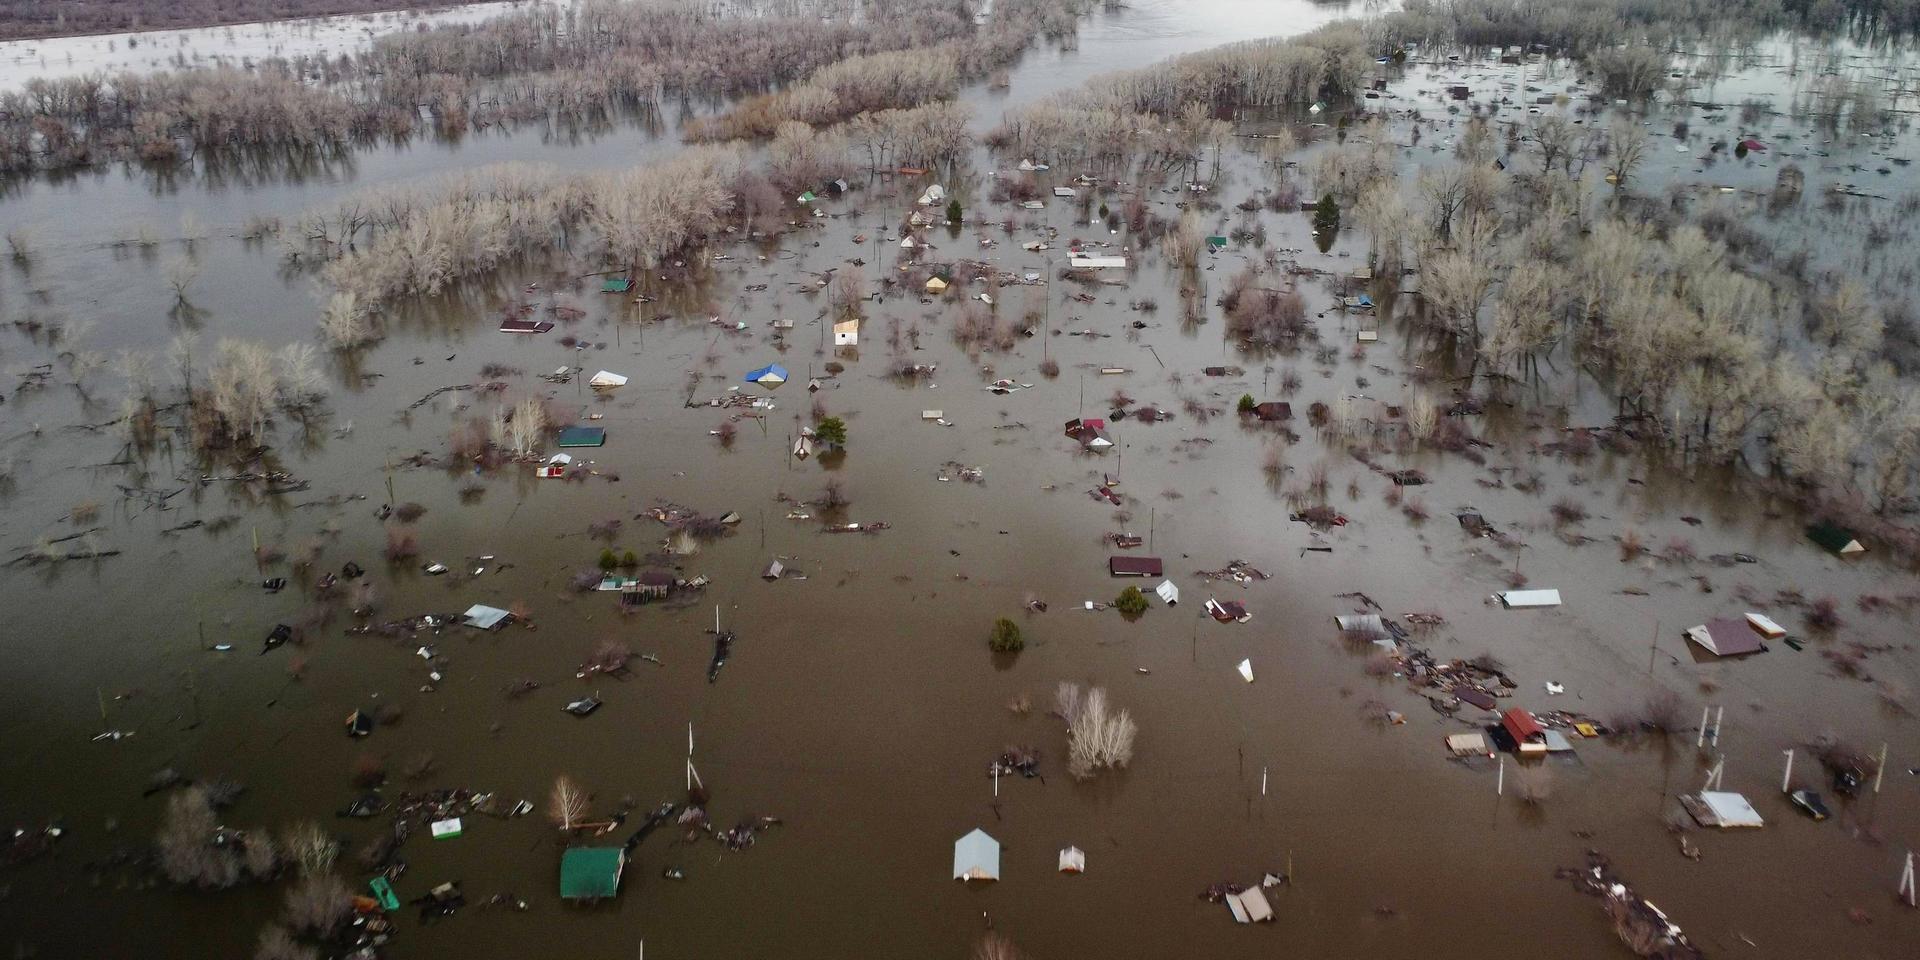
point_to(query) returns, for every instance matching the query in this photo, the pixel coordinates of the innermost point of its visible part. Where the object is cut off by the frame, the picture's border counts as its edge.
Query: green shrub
(1006, 637)
(1131, 602)
(1246, 403)
(608, 559)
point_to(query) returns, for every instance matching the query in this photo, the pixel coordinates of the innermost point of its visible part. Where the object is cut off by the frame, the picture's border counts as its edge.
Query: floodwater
(231, 45)
(860, 704)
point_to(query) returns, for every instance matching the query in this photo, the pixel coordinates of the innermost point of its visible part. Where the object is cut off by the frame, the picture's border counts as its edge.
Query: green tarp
(1836, 539)
(1217, 243)
(583, 437)
(591, 873)
(616, 285)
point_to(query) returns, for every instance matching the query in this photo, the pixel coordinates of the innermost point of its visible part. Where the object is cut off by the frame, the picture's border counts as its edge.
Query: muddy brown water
(860, 704)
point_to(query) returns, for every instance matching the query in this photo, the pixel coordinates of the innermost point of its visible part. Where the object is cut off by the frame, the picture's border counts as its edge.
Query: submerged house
(976, 856)
(1838, 540)
(1727, 637)
(591, 873)
(1133, 566)
(648, 586)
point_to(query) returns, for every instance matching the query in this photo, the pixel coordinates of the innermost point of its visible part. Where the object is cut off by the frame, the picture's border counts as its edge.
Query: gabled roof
(1522, 726)
(1726, 637)
(591, 873)
(976, 856)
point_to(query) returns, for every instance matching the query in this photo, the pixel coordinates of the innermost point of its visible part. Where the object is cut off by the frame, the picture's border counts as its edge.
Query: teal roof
(615, 285)
(583, 437)
(591, 873)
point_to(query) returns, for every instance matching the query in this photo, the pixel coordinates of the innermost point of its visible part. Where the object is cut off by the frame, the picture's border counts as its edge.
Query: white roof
(1250, 906)
(484, 617)
(1246, 670)
(1731, 809)
(1766, 626)
(1530, 598)
(976, 856)
(1073, 860)
(560, 459)
(1063, 191)
(1168, 592)
(1097, 262)
(445, 828)
(607, 379)
(932, 414)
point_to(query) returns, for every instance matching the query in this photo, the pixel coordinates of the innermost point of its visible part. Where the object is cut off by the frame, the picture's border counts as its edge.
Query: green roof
(583, 437)
(591, 873)
(1218, 243)
(1836, 539)
(615, 285)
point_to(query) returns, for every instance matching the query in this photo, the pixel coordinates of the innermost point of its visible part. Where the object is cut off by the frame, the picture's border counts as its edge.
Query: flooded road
(860, 704)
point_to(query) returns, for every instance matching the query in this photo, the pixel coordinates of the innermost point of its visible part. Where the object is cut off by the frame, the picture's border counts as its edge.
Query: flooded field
(859, 704)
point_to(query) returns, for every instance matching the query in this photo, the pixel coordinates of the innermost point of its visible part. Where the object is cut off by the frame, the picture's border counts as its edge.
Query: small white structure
(1250, 906)
(1723, 809)
(1063, 192)
(1096, 263)
(1168, 592)
(484, 617)
(1073, 860)
(1765, 625)
(607, 380)
(932, 414)
(1246, 670)
(1528, 599)
(934, 194)
(445, 829)
(556, 467)
(802, 447)
(1467, 744)
(846, 333)
(976, 856)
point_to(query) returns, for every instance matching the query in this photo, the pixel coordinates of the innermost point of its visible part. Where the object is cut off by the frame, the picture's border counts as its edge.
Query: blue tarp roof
(771, 370)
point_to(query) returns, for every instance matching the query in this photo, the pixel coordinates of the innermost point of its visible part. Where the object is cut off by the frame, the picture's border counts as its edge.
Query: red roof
(1522, 725)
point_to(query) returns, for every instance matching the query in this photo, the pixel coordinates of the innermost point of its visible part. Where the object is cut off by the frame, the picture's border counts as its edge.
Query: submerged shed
(1527, 733)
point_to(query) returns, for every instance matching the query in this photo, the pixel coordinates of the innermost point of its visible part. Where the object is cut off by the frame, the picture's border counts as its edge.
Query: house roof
(1726, 637)
(1834, 538)
(976, 856)
(591, 873)
(583, 436)
(1273, 410)
(1522, 726)
(1133, 566)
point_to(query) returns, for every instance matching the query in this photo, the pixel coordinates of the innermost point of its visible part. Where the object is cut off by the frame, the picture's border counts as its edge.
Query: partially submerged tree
(567, 804)
(1005, 637)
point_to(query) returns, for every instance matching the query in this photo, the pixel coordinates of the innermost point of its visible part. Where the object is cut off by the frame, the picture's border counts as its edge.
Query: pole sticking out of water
(996, 781)
(1263, 781)
(1881, 774)
(1907, 884)
(1719, 715)
(1787, 778)
(1716, 777)
(1701, 740)
(1500, 784)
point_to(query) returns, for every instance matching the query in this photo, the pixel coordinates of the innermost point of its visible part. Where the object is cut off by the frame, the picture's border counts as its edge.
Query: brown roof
(1273, 410)
(1133, 566)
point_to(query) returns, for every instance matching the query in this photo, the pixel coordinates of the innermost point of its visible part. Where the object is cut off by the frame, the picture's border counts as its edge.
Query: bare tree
(1626, 147)
(567, 803)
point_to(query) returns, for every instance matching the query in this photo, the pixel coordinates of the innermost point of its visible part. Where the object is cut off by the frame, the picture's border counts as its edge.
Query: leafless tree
(567, 805)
